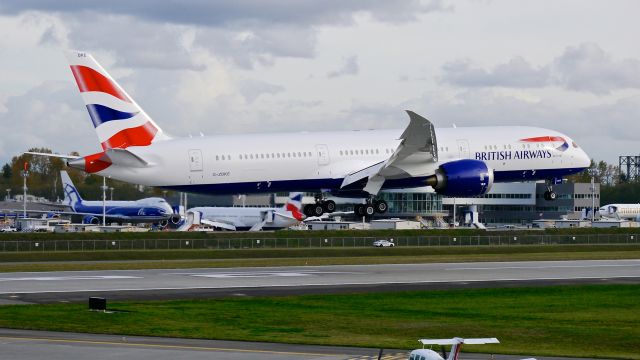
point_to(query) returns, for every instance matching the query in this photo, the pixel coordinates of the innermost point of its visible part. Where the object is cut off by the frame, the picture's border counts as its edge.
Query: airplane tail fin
(294, 205)
(71, 195)
(119, 121)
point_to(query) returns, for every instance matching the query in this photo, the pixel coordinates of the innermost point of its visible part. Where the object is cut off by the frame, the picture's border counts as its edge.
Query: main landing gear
(370, 208)
(550, 195)
(321, 206)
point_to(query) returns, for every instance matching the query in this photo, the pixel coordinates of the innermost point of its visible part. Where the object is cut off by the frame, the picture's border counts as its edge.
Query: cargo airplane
(459, 162)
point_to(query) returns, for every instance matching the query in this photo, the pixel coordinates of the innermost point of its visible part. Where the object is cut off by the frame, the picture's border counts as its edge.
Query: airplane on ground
(457, 162)
(152, 209)
(253, 218)
(621, 211)
(456, 344)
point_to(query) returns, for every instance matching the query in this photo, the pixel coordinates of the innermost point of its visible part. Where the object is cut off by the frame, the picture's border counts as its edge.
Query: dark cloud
(585, 67)
(236, 12)
(349, 67)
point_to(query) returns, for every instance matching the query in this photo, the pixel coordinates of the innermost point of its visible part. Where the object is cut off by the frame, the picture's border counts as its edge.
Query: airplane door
(463, 149)
(323, 154)
(195, 160)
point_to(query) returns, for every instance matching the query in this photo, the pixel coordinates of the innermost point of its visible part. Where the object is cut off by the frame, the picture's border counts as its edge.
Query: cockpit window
(574, 144)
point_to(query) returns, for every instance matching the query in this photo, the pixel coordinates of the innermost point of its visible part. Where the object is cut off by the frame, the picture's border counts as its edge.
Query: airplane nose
(584, 160)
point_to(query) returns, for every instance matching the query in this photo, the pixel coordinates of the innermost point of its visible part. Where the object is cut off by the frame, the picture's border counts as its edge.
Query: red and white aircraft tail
(119, 121)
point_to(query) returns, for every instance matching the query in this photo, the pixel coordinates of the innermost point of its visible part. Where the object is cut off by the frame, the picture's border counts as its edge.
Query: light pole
(8, 194)
(104, 201)
(25, 174)
(593, 199)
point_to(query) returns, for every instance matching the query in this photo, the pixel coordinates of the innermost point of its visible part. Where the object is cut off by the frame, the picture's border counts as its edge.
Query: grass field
(154, 259)
(578, 321)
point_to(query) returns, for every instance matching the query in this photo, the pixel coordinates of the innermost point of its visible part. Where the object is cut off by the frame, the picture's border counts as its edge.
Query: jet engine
(462, 178)
(89, 219)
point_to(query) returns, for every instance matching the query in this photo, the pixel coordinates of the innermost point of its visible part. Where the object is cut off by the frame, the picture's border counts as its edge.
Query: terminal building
(505, 204)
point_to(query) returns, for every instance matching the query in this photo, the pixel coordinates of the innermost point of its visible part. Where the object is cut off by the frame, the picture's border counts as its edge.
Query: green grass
(120, 259)
(578, 321)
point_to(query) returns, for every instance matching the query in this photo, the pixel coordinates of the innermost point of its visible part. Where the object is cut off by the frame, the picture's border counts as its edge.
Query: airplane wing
(218, 224)
(473, 341)
(418, 148)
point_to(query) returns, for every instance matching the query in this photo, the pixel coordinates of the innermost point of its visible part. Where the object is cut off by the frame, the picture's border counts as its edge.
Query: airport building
(506, 203)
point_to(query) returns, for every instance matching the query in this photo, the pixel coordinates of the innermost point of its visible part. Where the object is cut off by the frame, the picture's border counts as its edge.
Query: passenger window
(299, 155)
(217, 158)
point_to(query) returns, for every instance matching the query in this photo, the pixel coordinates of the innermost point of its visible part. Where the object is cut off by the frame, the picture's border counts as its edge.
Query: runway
(172, 283)
(47, 345)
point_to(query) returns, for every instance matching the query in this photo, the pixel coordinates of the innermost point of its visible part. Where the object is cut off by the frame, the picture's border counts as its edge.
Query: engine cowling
(91, 220)
(462, 178)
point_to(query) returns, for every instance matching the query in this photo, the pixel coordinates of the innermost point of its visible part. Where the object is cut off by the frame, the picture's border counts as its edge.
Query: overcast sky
(263, 66)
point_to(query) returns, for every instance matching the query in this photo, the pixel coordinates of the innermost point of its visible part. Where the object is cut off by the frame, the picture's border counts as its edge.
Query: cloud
(516, 73)
(252, 89)
(588, 68)
(349, 67)
(585, 68)
(46, 116)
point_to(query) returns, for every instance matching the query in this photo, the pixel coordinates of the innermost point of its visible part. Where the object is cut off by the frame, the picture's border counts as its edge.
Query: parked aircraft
(144, 210)
(459, 162)
(456, 344)
(621, 211)
(253, 218)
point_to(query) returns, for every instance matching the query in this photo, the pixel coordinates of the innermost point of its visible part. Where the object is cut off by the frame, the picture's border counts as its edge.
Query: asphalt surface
(187, 283)
(35, 345)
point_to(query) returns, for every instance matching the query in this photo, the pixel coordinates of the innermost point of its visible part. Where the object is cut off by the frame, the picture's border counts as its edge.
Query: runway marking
(539, 267)
(326, 284)
(263, 274)
(185, 347)
(63, 278)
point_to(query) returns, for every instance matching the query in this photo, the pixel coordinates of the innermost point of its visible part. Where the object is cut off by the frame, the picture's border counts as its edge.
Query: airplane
(152, 209)
(620, 211)
(253, 218)
(456, 162)
(456, 344)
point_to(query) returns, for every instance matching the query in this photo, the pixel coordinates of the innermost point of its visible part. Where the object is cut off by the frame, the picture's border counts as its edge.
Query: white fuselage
(247, 217)
(620, 211)
(261, 163)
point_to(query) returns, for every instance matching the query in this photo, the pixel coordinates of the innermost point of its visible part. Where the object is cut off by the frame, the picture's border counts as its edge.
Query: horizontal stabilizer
(52, 155)
(472, 341)
(123, 157)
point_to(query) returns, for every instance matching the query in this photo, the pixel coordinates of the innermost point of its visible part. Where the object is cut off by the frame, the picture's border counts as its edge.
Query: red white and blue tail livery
(119, 121)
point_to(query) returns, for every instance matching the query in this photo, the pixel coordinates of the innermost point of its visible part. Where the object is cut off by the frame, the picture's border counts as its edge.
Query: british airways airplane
(143, 210)
(459, 162)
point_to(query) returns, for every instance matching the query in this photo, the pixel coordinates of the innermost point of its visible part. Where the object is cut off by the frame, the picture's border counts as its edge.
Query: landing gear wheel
(329, 206)
(550, 195)
(381, 206)
(317, 209)
(308, 210)
(369, 210)
(358, 210)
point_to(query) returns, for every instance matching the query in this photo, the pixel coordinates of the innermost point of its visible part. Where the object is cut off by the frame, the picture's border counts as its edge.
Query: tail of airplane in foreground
(71, 195)
(119, 121)
(294, 205)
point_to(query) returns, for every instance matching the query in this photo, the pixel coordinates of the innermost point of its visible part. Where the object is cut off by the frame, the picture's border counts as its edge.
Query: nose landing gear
(550, 195)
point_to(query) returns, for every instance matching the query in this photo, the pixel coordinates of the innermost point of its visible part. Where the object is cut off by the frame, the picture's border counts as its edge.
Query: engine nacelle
(462, 178)
(91, 220)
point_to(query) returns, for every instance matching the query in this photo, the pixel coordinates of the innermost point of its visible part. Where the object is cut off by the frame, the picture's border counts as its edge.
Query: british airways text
(512, 155)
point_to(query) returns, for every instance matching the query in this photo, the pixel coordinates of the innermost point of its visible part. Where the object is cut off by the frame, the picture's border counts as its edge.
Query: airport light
(104, 201)
(25, 174)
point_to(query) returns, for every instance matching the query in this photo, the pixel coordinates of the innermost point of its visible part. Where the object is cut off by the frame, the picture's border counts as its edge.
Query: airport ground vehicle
(462, 162)
(383, 243)
(8, 229)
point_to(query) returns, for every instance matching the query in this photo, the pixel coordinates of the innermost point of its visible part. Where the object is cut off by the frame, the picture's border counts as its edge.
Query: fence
(329, 242)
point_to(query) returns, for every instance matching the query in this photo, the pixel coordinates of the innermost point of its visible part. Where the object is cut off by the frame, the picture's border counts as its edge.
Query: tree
(6, 171)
